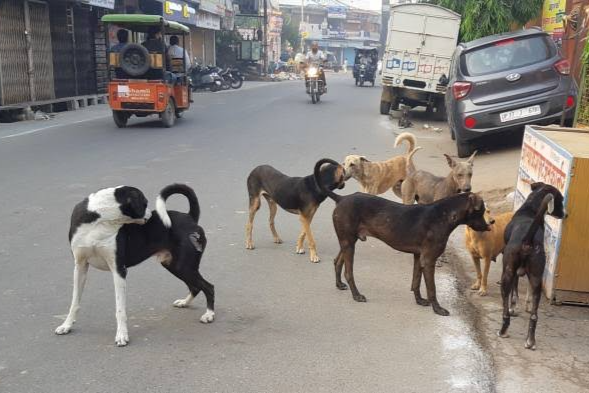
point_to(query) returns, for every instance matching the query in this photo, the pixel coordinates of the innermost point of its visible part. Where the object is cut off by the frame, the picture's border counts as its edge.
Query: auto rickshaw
(144, 82)
(365, 62)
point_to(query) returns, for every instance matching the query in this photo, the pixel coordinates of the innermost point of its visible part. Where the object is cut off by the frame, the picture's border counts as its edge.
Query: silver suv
(503, 82)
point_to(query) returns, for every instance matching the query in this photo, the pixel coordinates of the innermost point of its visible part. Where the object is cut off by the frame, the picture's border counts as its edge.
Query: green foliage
(290, 33)
(481, 18)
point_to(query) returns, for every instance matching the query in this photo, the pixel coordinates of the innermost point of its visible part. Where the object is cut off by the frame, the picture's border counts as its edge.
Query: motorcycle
(361, 75)
(236, 78)
(205, 78)
(314, 85)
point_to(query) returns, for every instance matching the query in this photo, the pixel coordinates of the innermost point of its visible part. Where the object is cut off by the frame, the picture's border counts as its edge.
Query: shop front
(208, 21)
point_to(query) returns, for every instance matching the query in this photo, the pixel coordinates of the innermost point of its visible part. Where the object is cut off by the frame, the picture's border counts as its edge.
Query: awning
(110, 4)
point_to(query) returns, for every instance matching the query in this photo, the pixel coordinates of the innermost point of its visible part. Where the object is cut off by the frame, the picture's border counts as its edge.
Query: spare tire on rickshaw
(134, 59)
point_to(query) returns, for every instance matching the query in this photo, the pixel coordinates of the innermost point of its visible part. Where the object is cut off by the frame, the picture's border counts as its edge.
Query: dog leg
(80, 274)
(529, 298)
(209, 291)
(301, 242)
(477, 265)
(514, 297)
(306, 221)
(122, 337)
(183, 303)
(535, 286)
(428, 273)
(254, 207)
(273, 210)
(416, 283)
(338, 263)
(483, 290)
(506, 289)
(348, 255)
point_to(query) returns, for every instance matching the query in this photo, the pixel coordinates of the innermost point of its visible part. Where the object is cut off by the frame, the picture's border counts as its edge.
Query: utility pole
(265, 40)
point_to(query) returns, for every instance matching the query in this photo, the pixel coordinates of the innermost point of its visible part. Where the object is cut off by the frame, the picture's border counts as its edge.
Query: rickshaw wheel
(120, 118)
(169, 114)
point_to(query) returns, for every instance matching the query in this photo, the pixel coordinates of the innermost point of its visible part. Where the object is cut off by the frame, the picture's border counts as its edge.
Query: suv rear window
(506, 55)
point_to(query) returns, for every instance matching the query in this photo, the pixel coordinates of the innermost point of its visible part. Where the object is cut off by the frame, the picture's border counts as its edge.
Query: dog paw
(360, 298)
(300, 251)
(180, 303)
(341, 285)
(249, 246)
(530, 345)
(278, 240)
(422, 302)
(482, 292)
(314, 259)
(513, 312)
(502, 335)
(63, 329)
(475, 286)
(208, 316)
(441, 311)
(122, 338)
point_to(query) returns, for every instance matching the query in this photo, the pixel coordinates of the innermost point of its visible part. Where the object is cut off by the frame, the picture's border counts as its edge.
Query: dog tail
(317, 175)
(182, 189)
(528, 240)
(407, 137)
(409, 166)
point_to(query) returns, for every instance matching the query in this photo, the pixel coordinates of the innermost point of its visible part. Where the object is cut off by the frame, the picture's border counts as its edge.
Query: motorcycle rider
(316, 58)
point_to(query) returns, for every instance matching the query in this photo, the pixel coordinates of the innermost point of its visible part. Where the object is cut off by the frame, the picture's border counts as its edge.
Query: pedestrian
(345, 65)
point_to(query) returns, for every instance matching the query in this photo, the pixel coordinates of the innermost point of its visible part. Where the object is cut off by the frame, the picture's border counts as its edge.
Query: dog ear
(364, 159)
(536, 185)
(471, 158)
(451, 162)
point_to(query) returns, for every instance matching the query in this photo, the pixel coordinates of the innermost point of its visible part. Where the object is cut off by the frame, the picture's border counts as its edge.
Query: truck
(416, 63)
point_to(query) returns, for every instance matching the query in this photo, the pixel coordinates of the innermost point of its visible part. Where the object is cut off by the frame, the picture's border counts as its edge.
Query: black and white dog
(112, 230)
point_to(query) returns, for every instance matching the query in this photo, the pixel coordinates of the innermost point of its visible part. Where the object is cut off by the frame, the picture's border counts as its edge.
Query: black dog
(421, 230)
(298, 195)
(524, 252)
(112, 230)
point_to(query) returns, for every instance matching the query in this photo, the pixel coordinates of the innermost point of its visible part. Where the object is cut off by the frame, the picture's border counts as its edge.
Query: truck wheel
(463, 148)
(169, 114)
(120, 118)
(441, 113)
(385, 107)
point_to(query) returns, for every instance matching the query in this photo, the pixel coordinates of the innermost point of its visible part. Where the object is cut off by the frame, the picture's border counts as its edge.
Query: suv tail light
(461, 89)
(563, 67)
(570, 102)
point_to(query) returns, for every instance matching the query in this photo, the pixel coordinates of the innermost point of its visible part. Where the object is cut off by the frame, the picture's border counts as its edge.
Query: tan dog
(424, 188)
(378, 177)
(486, 246)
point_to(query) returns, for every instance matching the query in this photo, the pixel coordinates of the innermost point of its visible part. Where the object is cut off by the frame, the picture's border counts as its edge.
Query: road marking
(34, 131)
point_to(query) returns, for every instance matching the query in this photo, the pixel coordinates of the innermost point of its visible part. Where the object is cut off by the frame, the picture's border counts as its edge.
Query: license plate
(520, 113)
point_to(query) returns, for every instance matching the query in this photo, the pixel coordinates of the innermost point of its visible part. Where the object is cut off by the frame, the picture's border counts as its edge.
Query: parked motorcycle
(205, 78)
(236, 78)
(315, 87)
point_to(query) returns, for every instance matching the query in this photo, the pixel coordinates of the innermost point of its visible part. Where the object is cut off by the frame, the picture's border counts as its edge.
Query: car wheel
(385, 107)
(120, 118)
(169, 114)
(463, 148)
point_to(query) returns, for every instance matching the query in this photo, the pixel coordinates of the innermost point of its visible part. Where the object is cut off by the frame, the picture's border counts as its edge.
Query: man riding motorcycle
(316, 58)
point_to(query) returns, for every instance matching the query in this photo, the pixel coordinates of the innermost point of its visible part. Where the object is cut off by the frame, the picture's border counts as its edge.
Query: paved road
(281, 325)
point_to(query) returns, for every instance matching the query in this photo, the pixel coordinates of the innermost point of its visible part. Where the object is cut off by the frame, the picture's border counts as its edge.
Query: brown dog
(379, 177)
(423, 187)
(486, 246)
(422, 230)
(298, 195)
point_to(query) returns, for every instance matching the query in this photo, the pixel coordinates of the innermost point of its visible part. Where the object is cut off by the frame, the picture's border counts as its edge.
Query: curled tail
(409, 166)
(317, 175)
(406, 137)
(182, 189)
(528, 239)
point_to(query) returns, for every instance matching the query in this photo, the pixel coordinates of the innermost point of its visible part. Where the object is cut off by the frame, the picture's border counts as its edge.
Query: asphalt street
(281, 325)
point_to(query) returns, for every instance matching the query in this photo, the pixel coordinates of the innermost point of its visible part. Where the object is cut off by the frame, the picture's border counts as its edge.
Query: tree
(290, 32)
(481, 18)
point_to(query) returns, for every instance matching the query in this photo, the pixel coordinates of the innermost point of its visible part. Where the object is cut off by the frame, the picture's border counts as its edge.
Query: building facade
(337, 28)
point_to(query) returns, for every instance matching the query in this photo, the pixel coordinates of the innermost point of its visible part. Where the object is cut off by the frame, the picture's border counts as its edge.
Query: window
(506, 55)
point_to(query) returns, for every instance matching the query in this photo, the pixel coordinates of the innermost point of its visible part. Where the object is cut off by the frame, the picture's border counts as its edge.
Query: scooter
(315, 87)
(203, 78)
